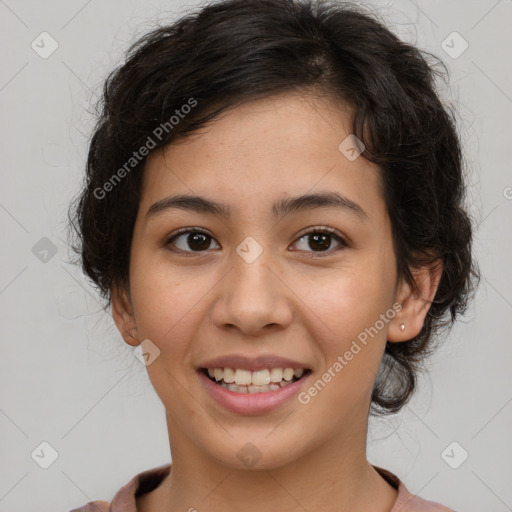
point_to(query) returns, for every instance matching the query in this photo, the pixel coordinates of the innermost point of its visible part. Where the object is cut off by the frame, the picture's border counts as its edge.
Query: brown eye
(320, 241)
(191, 240)
(317, 241)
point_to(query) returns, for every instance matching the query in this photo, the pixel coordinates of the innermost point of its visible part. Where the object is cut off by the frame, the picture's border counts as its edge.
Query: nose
(253, 297)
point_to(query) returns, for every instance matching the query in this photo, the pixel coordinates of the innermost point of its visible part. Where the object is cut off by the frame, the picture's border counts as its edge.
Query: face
(263, 282)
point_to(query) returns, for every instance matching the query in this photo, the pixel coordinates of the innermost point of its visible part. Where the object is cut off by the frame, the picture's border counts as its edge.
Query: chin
(261, 451)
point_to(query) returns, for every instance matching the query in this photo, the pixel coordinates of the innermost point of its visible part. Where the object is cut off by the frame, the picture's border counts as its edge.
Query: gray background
(66, 376)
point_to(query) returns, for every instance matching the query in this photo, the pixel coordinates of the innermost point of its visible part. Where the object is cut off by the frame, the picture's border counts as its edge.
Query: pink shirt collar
(125, 499)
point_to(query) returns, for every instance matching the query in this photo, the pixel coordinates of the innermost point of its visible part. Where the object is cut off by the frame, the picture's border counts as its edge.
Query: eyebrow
(308, 202)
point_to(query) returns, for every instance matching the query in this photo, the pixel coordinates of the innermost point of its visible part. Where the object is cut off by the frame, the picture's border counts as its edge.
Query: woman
(274, 213)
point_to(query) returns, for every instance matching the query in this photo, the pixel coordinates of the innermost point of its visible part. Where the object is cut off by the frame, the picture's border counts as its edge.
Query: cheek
(169, 305)
(351, 332)
(352, 298)
(168, 312)
(351, 338)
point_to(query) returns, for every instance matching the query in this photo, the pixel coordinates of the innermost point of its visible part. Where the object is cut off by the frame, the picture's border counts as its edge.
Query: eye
(196, 239)
(192, 240)
(319, 239)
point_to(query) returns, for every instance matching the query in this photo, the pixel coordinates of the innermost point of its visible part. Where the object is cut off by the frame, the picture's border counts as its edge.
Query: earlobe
(415, 302)
(122, 313)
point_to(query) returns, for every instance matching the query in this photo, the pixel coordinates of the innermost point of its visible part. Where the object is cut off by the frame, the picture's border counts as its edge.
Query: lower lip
(251, 403)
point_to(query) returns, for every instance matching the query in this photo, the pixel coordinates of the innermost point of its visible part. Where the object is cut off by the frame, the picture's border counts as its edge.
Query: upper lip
(252, 363)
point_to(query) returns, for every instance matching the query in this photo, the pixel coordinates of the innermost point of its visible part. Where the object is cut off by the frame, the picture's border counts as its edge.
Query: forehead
(284, 145)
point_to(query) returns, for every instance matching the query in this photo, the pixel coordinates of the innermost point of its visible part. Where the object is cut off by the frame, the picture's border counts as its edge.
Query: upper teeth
(257, 378)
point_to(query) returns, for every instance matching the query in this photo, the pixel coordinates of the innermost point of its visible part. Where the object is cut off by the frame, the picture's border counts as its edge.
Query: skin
(212, 302)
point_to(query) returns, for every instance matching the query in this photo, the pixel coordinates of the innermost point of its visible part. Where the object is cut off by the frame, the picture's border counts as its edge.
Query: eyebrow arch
(306, 202)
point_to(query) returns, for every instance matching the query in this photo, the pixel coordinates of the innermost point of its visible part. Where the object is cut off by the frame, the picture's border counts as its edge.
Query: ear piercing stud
(130, 333)
(402, 327)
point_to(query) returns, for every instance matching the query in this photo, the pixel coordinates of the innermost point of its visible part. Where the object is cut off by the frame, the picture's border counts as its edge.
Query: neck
(336, 477)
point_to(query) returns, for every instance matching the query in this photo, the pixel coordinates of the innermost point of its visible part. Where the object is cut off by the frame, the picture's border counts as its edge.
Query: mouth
(243, 381)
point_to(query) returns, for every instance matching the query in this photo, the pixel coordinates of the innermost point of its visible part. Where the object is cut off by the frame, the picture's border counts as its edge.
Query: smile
(239, 380)
(252, 385)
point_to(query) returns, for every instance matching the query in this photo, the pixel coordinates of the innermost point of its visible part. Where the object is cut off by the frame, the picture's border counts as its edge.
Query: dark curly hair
(233, 51)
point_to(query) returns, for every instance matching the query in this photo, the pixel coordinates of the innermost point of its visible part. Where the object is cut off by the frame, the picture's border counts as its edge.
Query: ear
(122, 313)
(415, 304)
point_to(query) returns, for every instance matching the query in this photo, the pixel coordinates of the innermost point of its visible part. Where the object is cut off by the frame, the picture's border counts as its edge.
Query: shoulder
(406, 501)
(125, 498)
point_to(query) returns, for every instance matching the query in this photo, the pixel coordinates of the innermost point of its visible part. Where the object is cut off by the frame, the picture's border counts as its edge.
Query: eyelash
(314, 254)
